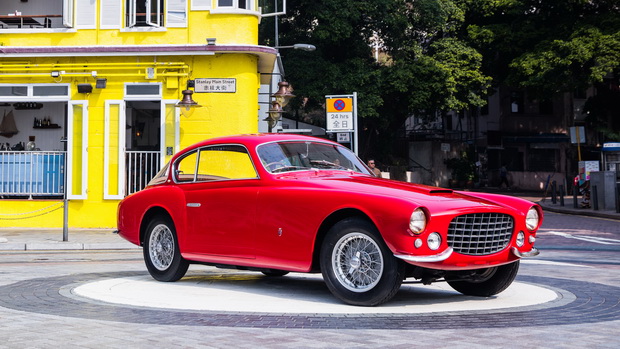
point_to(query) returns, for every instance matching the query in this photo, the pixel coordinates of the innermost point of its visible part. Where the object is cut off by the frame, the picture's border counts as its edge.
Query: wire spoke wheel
(161, 247)
(162, 255)
(358, 262)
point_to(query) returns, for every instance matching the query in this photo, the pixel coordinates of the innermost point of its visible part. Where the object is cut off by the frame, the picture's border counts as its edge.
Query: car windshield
(302, 155)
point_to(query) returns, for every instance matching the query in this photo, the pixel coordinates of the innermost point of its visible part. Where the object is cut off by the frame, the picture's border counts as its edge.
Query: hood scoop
(440, 191)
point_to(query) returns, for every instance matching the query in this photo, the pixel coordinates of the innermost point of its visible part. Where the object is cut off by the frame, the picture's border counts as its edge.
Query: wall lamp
(187, 103)
(211, 41)
(284, 95)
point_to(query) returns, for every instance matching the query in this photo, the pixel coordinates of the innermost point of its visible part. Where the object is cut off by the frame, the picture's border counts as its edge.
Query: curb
(65, 246)
(584, 212)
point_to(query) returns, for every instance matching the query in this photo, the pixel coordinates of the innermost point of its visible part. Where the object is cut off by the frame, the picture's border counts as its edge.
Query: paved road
(580, 260)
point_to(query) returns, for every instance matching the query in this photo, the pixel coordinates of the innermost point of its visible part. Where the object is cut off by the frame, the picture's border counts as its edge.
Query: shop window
(13, 93)
(143, 90)
(54, 90)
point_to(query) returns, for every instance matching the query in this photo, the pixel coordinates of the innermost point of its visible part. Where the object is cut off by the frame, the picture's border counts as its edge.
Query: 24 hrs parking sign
(339, 114)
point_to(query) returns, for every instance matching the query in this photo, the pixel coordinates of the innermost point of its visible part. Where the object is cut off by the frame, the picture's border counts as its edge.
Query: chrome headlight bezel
(417, 221)
(532, 219)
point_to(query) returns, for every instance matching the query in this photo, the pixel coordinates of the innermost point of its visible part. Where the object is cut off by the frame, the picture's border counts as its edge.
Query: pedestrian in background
(503, 177)
(373, 167)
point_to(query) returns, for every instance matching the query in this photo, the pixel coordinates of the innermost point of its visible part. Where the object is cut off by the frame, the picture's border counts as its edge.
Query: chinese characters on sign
(215, 85)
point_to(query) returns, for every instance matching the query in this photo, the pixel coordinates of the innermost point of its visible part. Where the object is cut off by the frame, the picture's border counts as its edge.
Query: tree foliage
(440, 55)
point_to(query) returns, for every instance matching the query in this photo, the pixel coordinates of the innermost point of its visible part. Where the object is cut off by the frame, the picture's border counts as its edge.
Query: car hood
(423, 195)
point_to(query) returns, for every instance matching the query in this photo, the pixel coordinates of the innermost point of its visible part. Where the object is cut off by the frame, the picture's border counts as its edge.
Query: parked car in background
(279, 203)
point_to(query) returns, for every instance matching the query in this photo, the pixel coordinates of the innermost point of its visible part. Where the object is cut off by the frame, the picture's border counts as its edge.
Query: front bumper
(442, 256)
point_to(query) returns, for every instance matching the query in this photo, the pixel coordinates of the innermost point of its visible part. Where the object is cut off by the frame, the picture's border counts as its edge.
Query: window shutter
(86, 14)
(110, 14)
(177, 14)
(201, 5)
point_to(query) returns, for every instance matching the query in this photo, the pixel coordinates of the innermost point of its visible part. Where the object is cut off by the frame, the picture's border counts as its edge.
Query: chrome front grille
(480, 234)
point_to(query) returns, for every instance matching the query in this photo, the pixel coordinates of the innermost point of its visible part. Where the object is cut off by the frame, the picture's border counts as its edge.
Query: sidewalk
(44, 239)
(568, 208)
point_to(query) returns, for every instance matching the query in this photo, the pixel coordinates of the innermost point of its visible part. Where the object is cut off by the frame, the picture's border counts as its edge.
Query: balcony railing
(141, 167)
(32, 173)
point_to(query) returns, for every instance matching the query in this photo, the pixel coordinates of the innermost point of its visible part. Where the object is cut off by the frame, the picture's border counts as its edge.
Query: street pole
(355, 132)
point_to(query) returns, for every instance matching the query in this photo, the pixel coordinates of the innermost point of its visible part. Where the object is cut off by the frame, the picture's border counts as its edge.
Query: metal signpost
(342, 118)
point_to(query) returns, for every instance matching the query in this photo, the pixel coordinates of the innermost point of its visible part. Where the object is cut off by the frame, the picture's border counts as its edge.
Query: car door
(220, 201)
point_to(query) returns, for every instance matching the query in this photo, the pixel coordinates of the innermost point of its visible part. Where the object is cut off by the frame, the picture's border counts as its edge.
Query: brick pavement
(37, 309)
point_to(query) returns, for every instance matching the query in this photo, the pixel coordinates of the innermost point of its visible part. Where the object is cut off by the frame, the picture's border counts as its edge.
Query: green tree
(424, 67)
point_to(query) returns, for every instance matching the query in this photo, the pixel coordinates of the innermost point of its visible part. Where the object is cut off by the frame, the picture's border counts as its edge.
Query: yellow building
(88, 91)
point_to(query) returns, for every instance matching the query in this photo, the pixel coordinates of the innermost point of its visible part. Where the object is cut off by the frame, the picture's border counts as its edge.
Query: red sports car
(279, 203)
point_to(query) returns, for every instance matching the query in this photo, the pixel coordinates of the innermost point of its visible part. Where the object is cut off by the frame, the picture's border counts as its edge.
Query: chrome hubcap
(357, 262)
(161, 247)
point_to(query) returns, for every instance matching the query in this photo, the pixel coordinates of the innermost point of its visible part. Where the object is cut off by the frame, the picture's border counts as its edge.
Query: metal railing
(140, 168)
(32, 173)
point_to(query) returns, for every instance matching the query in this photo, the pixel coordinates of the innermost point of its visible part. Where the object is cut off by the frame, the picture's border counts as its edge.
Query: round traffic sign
(339, 104)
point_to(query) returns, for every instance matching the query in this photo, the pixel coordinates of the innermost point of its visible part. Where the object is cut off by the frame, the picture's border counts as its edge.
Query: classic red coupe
(279, 203)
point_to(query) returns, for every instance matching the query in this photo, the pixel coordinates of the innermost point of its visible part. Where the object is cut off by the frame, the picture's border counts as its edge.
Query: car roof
(252, 140)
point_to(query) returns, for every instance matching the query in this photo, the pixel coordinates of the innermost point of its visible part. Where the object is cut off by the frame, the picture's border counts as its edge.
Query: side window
(186, 168)
(225, 162)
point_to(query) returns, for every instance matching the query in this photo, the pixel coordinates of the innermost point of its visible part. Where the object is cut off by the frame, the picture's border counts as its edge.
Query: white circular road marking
(293, 293)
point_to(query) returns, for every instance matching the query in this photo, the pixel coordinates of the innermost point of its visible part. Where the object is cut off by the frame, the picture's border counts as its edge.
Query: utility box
(605, 183)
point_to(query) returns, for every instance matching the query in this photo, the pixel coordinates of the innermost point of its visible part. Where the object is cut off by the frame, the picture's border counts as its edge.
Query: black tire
(161, 251)
(488, 282)
(357, 265)
(274, 272)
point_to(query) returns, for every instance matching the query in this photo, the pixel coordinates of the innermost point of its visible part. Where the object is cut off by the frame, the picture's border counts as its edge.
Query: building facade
(88, 94)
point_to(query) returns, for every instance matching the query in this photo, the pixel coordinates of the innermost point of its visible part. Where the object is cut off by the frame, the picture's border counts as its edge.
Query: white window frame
(132, 13)
(121, 151)
(83, 193)
(67, 13)
(131, 97)
(234, 8)
(158, 12)
(30, 94)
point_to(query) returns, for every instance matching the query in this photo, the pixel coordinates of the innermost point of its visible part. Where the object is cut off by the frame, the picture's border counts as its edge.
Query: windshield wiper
(324, 164)
(289, 168)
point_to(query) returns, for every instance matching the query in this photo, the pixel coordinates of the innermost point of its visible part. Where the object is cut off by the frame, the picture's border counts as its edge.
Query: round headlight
(417, 222)
(433, 241)
(531, 220)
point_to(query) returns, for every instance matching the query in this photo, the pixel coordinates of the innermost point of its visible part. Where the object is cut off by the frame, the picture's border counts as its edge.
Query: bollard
(561, 194)
(594, 198)
(553, 193)
(575, 191)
